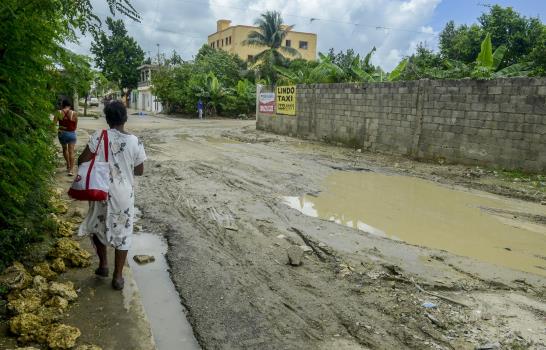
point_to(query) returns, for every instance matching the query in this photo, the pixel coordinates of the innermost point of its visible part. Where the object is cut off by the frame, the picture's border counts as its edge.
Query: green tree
(227, 67)
(508, 28)
(75, 76)
(538, 55)
(519, 34)
(175, 59)
(118, 56)
(460, 43)
(270, 36)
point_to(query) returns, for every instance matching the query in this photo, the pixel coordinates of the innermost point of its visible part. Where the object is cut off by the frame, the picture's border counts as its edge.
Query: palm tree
(270, 35)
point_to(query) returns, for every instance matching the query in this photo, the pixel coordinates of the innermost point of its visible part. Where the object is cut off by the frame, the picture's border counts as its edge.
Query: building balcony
(144, 83)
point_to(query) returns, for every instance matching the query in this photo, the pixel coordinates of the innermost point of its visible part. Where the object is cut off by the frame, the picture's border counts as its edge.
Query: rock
(64, 290)
(49, 314)
(88, 347)
(59, 205)
(43, 269)
(65, 228)
(58, 265)
(26, 325)
(71, 251)
(57, 302)
(62, 336)
(143, 259)
(295, 256)
(306, 248)
(26, 348)
(281, 236)
(543, 202)
(16, 277)
(40, 284)
(78, 213)
(137, 228)
(24, 305)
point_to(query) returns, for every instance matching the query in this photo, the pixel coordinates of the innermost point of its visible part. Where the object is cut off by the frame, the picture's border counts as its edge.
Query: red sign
(266, 102)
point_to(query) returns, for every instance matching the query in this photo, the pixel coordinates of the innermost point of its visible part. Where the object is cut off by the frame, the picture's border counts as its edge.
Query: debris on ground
(143, 259)
(70, 250)
(429, 305)
(295, 256)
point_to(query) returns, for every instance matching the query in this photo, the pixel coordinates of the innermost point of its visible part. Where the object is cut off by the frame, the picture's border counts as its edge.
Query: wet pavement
(167, 316)
(417, 211)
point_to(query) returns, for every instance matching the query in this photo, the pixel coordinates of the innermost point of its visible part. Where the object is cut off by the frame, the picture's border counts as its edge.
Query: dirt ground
(214, 189)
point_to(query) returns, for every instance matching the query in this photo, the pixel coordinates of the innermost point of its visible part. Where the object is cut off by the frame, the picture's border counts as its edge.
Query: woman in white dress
(111, 222)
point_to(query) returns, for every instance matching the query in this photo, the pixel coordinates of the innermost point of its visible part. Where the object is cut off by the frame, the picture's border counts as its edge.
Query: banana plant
(326, 71)
(397, 71)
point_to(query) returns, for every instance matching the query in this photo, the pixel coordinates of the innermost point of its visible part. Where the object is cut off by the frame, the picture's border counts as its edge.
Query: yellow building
(230, 38)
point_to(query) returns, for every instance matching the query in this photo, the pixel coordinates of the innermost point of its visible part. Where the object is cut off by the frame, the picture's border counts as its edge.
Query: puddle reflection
(424, 213)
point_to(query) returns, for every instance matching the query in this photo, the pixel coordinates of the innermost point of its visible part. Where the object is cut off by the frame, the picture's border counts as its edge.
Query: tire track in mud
(311, 324)
(222, 220)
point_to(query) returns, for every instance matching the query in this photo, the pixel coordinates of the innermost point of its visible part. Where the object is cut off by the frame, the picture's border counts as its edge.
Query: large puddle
(424, 213)
(167, 316)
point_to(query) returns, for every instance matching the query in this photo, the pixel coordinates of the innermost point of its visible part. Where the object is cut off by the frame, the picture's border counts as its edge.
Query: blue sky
(394, 27)
(467, 11)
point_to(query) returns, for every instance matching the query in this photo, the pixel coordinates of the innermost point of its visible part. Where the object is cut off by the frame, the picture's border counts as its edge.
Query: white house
(145, 100)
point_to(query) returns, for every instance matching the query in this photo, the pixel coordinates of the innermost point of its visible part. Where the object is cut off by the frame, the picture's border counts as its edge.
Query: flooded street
(393, 254)
(421, 212)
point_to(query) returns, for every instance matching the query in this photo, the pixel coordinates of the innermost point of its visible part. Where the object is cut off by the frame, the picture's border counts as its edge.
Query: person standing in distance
(200, 108)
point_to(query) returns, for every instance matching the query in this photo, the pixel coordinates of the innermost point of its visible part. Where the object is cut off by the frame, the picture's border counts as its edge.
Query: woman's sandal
(118, 284)
(102, 272)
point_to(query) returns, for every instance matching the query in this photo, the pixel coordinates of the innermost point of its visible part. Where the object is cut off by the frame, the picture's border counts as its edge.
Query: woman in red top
(68, 121)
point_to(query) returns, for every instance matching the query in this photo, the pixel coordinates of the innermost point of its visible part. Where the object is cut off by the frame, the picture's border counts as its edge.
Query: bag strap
(103, 137)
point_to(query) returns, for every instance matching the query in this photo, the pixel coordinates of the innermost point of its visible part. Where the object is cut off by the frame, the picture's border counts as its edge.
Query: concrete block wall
(499, 123)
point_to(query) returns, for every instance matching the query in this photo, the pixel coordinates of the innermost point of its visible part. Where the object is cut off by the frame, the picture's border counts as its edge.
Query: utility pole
(158, 62)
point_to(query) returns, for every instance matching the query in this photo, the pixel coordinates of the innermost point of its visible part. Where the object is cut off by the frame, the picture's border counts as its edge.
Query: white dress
(112, 220)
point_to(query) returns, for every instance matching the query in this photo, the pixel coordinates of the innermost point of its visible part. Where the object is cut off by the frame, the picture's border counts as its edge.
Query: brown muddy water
(170, 328)
(421, 212)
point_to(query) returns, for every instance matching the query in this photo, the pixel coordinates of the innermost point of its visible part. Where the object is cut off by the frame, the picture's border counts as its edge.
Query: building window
(222, 42)
(250, 57)
(229, 40)
(303, 45)
(212, 45)
(288, 43)
(217, 43)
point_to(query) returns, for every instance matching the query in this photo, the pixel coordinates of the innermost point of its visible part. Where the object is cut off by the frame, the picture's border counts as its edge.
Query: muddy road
(395, 254)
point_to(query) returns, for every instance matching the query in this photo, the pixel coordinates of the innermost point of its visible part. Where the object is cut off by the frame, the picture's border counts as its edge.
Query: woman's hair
(65, 103)
(116, 113)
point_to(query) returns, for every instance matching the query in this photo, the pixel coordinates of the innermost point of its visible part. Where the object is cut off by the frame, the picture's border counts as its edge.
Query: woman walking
(68, 122)
(111, 222)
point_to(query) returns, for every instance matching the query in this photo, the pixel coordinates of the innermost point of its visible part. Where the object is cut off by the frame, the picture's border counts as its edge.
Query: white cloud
(394, 27)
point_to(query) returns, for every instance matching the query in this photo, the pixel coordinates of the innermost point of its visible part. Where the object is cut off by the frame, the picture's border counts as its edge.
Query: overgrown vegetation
(31, 56)
(502, 44)
(220, 79)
